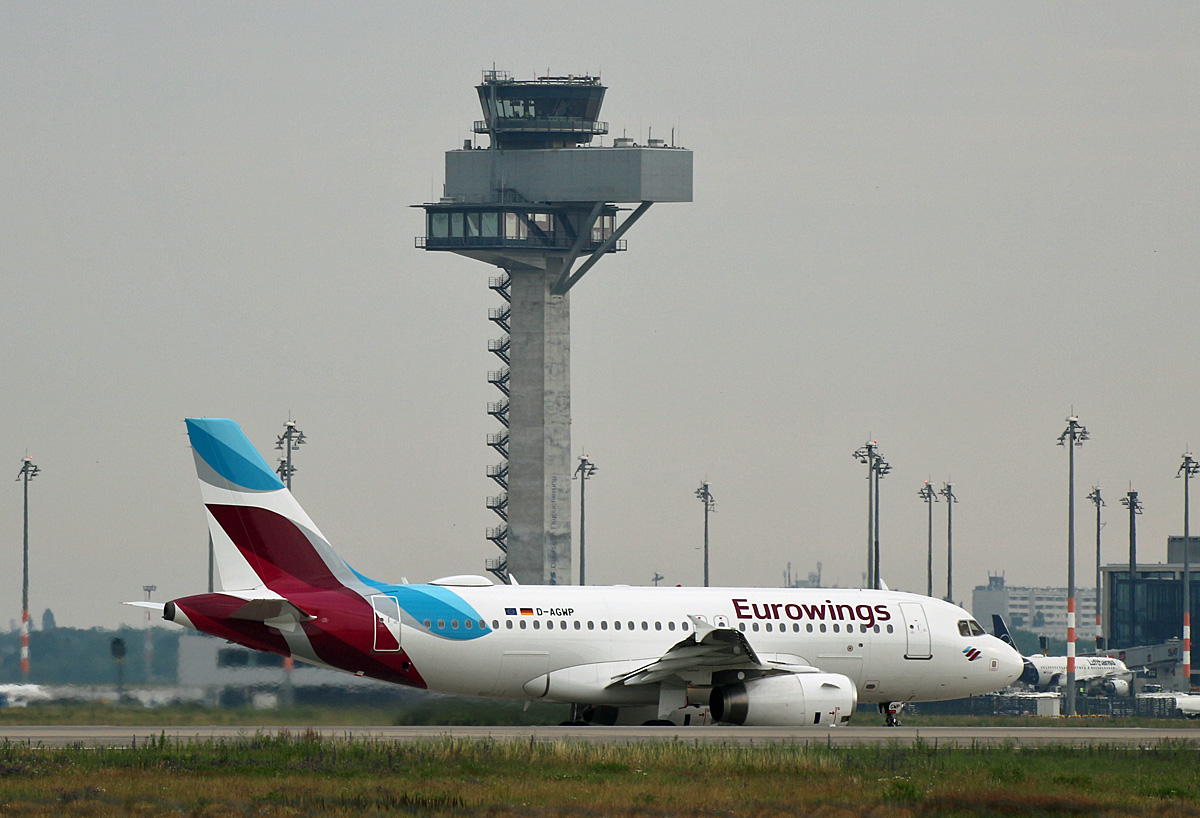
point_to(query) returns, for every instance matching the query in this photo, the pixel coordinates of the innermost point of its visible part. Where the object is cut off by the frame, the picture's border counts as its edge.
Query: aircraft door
(916, 629)
(387, 624)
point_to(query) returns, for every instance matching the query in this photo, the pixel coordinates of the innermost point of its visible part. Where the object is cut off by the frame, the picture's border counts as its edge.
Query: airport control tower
(541, 203)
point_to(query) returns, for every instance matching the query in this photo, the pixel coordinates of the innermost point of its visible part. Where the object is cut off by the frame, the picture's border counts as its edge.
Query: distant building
(791, 580)
(1039, 610)
(232, 675)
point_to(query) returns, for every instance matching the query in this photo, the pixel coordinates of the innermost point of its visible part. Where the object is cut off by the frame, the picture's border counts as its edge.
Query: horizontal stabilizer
(154, 606)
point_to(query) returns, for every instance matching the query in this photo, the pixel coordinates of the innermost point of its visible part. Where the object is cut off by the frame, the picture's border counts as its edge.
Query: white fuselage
(894, 646)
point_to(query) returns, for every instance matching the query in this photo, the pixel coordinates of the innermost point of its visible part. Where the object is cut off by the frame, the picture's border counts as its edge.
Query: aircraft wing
(707, 649)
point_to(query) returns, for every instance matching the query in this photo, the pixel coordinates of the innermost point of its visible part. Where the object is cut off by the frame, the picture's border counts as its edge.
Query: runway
(88, 736)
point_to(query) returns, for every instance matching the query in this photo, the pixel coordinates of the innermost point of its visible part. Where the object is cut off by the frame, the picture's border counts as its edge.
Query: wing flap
(708, 648)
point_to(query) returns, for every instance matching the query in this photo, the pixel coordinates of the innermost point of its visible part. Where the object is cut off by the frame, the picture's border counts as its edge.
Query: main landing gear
(892, 712)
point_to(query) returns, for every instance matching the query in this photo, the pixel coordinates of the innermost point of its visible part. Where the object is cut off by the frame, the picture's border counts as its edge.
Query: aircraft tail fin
(262, 539)
(1000, 631)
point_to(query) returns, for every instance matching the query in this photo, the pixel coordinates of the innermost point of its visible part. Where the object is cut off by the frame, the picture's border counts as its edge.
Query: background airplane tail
(1000, 631)
(261, 536)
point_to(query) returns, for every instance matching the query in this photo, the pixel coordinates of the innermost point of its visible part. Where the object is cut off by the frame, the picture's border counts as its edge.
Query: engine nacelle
(788, 700)
(1115, 687)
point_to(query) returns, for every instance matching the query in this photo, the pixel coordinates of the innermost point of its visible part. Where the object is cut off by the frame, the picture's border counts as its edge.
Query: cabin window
(683, 626)
(591, 625)
(522, 624)
(768, 627)
(617, 625)
(577, 625)
(837, 628)
(603, 624)
(796, 627)
(822, 627)
(441, 624)
(536, 625)
(562, 625)
(876, 629)
(454, 624)
(482, 625)
(742, 627)
(670, 626)
(889, 628)
(754, 627)
(658, 626)
(630, 626)
(645, 626)
(427, 623)
(808, 627)
(508, 624)
(469, 623)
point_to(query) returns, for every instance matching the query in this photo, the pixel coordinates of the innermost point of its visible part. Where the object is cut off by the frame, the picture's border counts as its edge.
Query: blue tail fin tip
(226, 449)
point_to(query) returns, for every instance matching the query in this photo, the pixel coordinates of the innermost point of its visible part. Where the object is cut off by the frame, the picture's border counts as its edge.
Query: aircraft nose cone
(1012, 664)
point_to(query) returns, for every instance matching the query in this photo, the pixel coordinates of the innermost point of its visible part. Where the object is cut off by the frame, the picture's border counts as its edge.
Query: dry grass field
(302, 775)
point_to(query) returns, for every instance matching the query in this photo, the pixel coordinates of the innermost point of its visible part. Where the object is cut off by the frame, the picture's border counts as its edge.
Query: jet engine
(1115, 687)
(788, 700)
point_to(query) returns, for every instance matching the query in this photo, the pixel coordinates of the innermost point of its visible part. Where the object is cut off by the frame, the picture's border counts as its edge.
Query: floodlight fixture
(928, 494)
(28, 471)
(704, 495)
(291, 439)
(585, 470)
(867, 454)
(1098, 501)
(1188, 469)
(947, 491)
(1131, 502)
(879, 469)
(1072, 438)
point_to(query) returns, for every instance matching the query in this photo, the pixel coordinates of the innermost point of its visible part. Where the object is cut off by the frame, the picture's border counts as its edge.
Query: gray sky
(939, 225)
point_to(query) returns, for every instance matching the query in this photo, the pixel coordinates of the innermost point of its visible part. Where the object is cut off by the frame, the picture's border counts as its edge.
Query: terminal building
(1149, 609)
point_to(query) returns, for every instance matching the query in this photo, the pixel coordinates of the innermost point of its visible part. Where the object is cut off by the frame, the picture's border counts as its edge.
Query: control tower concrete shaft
(541, 203)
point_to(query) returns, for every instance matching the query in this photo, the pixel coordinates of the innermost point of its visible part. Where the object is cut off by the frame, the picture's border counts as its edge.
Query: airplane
(20, 695)
(1098, 674)
(618, 655)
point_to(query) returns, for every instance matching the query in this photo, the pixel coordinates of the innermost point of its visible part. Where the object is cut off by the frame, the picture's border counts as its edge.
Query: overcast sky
(943, 226)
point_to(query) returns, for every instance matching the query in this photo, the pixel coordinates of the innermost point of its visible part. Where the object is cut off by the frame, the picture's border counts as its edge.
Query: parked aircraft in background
(20, 695)
(753, 656)
(1098, 674)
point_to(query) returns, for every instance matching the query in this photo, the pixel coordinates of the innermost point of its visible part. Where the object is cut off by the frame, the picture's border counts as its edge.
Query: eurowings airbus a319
(751, 656)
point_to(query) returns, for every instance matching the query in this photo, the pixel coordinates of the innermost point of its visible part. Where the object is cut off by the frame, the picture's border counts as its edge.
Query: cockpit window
(969, 627)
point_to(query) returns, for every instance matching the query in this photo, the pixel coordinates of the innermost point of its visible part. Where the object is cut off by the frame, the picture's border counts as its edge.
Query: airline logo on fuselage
(829, 611)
